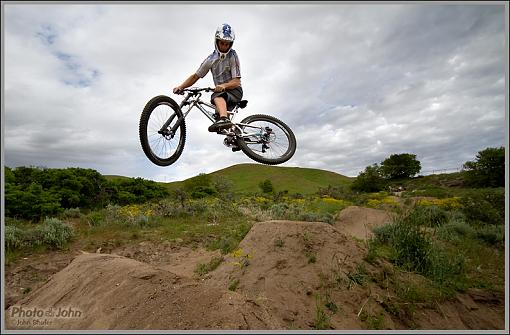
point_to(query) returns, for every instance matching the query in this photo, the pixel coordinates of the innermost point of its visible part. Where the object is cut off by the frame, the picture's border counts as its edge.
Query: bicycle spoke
(162, 146)
(278, 143)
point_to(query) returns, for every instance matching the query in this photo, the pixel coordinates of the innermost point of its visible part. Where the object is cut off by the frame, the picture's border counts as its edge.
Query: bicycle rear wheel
(266, 139)
(159, 144)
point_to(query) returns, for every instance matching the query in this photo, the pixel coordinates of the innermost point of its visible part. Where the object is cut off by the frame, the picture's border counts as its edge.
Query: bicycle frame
(192, 99)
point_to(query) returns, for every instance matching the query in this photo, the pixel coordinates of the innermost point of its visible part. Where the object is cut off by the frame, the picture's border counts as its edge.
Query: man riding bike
(225, 68)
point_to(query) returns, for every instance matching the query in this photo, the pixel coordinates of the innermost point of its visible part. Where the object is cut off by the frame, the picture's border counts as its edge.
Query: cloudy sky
(356, 82)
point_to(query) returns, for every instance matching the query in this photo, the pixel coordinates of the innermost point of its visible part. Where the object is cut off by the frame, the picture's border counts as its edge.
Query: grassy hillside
(246, 178)
(114, 177)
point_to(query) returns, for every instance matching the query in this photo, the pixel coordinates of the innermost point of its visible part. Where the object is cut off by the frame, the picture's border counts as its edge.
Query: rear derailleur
(231, 142)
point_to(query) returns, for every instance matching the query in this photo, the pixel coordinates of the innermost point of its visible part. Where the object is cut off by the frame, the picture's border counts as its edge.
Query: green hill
(246, 178)
(114, 177)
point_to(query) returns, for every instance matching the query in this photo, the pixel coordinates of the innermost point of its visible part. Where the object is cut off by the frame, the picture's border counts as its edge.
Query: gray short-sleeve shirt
(222, 70)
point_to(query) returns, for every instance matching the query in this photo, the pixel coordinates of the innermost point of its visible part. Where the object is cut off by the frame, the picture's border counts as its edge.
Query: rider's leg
(221, 106)
(223, 122)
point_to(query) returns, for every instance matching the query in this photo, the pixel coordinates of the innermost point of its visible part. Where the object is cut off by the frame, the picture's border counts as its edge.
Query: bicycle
(162, 130)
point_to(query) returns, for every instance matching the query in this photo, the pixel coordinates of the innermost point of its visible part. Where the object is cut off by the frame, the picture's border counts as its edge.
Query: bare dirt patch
(359, 221)
(285, 275)
(173, 257)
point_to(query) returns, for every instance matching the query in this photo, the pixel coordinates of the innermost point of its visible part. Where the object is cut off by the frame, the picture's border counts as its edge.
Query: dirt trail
(281, 277)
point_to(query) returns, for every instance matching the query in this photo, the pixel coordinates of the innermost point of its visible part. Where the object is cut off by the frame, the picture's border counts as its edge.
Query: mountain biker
(225, 68)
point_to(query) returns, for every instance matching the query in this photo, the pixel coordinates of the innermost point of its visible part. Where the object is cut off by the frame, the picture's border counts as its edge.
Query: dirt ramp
(288, 267)
(359, 221)
(102, 291)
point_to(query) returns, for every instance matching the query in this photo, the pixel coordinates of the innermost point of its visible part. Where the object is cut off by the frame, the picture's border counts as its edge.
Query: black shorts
(232, 97)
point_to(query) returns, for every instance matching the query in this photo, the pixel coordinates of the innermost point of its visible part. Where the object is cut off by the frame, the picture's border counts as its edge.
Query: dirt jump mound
(290, 268)
(102, 291)
(359, 221)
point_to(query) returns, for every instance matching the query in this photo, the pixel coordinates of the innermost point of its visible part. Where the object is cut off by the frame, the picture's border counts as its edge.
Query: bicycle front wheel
(162, 146)
(266, 139)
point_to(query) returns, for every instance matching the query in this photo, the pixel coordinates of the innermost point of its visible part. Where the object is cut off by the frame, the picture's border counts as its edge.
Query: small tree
(488, 170)
(369, 180)
(266, 186)
(400, 166)
(224, 188)
(181, 196)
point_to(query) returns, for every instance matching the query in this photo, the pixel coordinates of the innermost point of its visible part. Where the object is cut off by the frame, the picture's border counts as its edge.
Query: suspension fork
(178, 123)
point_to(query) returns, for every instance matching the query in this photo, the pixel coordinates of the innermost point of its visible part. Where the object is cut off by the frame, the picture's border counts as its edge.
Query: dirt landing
(359, 221)
(112, 292)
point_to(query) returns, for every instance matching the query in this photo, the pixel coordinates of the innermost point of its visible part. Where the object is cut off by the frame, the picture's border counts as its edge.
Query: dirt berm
(281, 277)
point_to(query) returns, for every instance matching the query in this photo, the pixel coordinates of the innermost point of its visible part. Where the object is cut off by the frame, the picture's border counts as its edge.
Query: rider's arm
(230, 85)
(188, 82)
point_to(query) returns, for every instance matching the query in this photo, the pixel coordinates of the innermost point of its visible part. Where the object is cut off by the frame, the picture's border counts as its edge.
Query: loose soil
(285, 275)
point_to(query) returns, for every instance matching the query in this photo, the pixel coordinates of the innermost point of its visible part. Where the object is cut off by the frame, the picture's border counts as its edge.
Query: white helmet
(224, 33)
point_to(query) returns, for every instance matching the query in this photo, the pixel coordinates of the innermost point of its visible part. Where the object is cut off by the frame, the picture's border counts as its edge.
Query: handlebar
(195, 90)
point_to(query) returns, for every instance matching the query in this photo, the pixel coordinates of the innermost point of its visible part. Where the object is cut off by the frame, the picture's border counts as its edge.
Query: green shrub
(13, 222)
(142, 221)
(34, 237)
(412, 246)
(266, 186)
(484, 207)
(55, 233)
(444, 267)
(14, 238)
(52, 233)
(230, 241)
(233, 285)
(341, 192)
(372, 321)
(491, 234)
(197, 207)
(204, 268)
(225, 244)
(430, 216)
(279, 242)
(280, 210)
(96, 218)
(413, 249)
(71, 213)
(454, 230)
(360, 276)
(384, 233)
(435, 192)
(322, 320)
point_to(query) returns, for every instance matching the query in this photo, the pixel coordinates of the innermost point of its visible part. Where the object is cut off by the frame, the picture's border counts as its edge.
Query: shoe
(219, 125)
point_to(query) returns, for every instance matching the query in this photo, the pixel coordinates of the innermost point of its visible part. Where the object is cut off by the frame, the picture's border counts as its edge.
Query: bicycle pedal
(234, 149)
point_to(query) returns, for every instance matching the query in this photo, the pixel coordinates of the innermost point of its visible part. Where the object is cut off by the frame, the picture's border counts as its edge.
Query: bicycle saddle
(242, 103)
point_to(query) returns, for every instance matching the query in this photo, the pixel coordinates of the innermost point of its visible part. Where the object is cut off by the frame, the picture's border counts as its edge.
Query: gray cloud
(356, 83)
